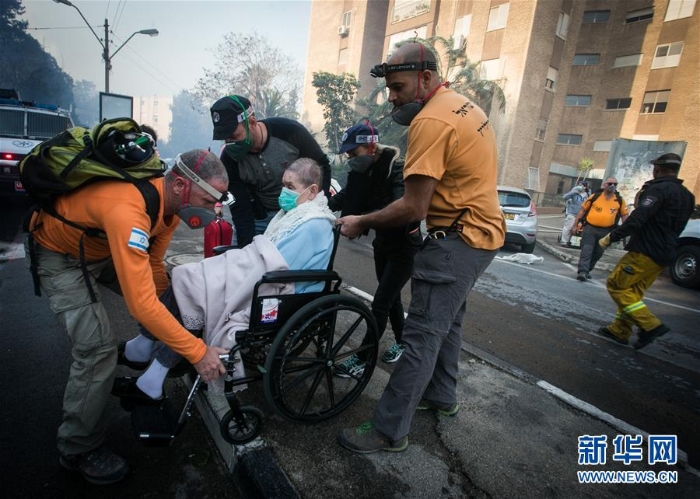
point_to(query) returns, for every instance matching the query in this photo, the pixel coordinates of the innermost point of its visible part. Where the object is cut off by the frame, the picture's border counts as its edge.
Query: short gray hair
(210, 166)
(308, 171)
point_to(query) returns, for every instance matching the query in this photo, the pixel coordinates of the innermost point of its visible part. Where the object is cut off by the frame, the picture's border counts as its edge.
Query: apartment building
(577, 74)
(155, 110)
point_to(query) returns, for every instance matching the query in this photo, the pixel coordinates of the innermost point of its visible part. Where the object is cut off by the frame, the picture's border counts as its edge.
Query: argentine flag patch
(138, 239)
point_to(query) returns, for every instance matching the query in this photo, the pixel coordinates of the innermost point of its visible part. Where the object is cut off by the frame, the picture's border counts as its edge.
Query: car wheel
(528, 248)
(684, 270)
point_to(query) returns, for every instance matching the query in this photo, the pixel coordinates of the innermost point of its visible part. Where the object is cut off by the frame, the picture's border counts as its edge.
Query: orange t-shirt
(119, 209)
(603, 213)
(451, 140)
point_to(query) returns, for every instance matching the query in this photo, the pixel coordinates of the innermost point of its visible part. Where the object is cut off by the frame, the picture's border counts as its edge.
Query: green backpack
(115, 149)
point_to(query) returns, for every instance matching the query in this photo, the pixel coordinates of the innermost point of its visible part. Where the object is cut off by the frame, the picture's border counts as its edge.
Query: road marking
(597, 284)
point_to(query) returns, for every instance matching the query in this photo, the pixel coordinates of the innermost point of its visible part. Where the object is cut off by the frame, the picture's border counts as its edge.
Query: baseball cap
(358, 135)
(226, 114)
(669, 159)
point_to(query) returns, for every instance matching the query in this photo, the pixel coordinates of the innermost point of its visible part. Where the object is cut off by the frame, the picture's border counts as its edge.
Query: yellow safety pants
(631, 277)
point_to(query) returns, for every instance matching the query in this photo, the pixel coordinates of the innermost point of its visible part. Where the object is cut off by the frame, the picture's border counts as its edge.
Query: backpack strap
(595, 196)
(152, 199)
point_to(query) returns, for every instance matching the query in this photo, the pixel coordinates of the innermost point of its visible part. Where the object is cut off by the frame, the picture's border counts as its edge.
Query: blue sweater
(308, 247)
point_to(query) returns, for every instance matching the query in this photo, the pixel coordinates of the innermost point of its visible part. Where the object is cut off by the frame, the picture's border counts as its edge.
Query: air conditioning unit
(343, 30)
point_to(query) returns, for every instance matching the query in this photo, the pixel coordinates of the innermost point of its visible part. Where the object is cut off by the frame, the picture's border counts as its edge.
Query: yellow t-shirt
(118, 208)
(603, 213)
(451, 140)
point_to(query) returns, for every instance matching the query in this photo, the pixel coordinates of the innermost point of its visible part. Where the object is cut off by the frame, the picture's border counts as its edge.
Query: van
(23, 125)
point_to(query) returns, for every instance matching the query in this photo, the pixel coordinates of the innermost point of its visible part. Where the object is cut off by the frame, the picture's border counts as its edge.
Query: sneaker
(588, 276)
(646, 337)
(604, 331)
(353, 367)
(100, 466)
(449, 410)
(364, 439)
(393, 353)
(581, 276)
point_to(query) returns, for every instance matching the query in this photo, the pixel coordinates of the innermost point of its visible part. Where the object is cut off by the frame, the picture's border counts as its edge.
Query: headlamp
(221, 197)
(381, 70)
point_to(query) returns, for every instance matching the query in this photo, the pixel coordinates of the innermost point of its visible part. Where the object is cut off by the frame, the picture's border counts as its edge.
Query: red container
(217, 233)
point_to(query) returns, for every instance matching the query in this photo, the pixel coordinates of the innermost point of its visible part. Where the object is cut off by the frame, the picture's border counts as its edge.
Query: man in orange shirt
(600, 214)
(450, 179)
(127, 258)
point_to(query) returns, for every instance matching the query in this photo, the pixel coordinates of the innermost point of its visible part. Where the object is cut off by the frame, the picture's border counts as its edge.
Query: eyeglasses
(611, 184)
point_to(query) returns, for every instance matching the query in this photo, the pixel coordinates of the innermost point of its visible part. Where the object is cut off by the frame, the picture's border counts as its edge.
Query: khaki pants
(631, 277)
(94, 349)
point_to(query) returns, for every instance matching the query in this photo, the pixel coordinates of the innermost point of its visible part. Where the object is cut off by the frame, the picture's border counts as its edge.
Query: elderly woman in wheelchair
(232, 299)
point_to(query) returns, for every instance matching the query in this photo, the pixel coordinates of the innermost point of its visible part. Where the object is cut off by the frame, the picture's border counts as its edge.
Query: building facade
(156, 111)
(576, 74)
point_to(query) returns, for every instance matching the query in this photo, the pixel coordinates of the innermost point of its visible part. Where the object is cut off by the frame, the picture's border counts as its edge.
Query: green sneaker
(364, 439)
(353, 367)
(449, 411)
(393, 353)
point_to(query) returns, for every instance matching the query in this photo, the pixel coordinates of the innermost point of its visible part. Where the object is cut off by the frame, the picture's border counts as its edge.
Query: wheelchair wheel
(299, 384)
(235, 433)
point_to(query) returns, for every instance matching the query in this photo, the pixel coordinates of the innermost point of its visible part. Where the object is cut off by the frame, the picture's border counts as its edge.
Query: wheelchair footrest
(154, 425)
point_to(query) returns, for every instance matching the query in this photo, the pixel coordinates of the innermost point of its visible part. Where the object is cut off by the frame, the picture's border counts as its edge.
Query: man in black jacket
(255, 155)
(375, 179)
(662, 210)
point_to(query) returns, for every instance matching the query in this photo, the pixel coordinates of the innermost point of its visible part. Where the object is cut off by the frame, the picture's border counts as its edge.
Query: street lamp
(105, 45)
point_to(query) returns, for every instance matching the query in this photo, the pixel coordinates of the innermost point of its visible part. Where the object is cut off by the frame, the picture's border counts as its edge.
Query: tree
(87, 106)
(335, 92)
(191, 127)
(584, 167)
(26, 67)
(251, 67)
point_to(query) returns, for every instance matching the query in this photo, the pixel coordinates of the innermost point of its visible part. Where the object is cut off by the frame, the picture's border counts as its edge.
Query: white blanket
(216, 293)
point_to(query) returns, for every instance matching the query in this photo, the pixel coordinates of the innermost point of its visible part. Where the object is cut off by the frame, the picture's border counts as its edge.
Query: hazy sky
(189, 31)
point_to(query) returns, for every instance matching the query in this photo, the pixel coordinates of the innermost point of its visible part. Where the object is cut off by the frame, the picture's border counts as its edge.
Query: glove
(604, 242)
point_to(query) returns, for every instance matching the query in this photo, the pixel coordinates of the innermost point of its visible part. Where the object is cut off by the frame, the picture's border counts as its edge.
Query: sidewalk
(515, 436)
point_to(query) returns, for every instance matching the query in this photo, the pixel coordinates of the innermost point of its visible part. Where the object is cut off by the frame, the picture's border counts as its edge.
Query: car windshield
(513, 199)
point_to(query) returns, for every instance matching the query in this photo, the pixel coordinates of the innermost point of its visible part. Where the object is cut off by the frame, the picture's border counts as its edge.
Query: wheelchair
(293, 344)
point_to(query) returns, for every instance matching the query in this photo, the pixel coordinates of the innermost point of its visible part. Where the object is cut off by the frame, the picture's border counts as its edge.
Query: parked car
(685, 271)
(521, 217)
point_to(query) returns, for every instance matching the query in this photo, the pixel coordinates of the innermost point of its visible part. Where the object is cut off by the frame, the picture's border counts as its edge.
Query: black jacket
(660, 215)
(373, 189)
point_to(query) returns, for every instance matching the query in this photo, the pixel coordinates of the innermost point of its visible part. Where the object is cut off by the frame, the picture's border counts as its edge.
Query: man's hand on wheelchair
(211, 367)
(350, 226)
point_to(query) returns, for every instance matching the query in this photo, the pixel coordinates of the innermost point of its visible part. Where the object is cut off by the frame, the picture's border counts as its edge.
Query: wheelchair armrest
(219, 250)
(281, 276)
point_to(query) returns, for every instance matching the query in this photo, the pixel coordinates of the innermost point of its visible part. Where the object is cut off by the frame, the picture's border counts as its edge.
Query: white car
(685, 271)
(521, 217)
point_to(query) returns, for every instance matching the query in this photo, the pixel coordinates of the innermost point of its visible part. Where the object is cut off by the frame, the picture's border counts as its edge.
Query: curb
(565, 257)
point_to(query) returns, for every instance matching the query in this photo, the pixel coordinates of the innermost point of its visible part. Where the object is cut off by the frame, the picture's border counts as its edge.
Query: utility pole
(108, 61)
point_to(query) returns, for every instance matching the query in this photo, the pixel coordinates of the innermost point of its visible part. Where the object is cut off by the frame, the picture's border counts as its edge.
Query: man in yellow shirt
(450, 179)
(128, 259)
(600, 214)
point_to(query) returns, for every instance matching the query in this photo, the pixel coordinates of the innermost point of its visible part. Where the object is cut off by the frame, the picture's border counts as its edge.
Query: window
(596, 16)
(618, 103)
(533, 178)
(406, 9)
(491, 69)
(678, 9)
(578, 100)
(667, 56)
(602, 145)
(566, 139)
(655, 102)
(551, 80)
(462, 28)
(498, 17)
(155, 118)
(563, 25)
(628, 60)
(586, 59)
(346, 18)
(541, 129)
(635, 16)
(342, 57)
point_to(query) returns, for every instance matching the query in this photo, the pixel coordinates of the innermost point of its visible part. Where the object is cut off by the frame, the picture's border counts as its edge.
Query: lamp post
(105, 45)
